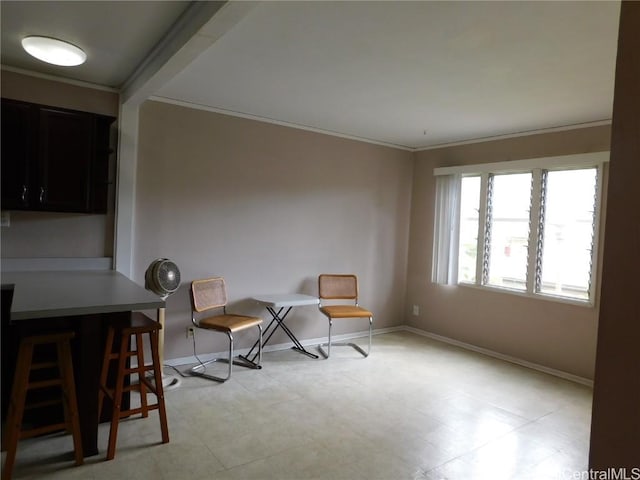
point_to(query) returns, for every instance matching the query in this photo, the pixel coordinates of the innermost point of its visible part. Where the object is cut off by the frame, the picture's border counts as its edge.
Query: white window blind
(446, 228)
(530, 227)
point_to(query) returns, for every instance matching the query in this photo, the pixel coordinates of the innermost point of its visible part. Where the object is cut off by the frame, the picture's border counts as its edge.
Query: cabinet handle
(23, 197)
(41, 194)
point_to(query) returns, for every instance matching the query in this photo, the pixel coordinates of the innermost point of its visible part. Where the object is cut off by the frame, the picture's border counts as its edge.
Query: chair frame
(199, 370)
(354, 297)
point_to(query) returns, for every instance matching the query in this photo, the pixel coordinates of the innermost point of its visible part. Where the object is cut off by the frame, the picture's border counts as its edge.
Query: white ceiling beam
(199, 27)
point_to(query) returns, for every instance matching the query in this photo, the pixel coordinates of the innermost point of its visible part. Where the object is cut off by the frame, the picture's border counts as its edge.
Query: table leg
(298, 347)
(266, 331)
(278, 320)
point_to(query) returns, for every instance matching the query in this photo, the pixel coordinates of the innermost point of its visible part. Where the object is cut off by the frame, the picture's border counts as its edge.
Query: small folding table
(277, 304)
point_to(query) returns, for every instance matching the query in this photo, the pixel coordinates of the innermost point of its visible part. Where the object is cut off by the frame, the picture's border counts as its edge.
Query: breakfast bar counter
(69, 293)
(86, 302)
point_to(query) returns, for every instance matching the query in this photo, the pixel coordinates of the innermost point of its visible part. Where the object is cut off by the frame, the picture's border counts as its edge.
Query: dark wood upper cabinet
(54, 159)
(18, 122)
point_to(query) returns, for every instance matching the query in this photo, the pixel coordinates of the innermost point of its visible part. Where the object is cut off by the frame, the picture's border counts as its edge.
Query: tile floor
(415, 409)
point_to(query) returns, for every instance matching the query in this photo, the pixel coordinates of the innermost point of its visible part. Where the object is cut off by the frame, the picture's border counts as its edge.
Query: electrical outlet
(416, 310)
(190, 332)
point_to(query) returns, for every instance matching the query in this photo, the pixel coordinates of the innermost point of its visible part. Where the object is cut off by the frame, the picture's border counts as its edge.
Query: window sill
(537, 296)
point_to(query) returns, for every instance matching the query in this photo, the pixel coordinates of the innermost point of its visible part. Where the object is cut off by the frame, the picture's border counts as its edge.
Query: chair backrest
(338, 287)
(208, 293)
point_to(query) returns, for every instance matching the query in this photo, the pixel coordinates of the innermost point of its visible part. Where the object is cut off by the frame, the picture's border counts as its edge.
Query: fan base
(169, 382)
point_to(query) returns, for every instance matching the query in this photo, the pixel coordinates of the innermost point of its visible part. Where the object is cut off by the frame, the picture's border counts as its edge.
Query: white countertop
(279, 300)
(65, 293)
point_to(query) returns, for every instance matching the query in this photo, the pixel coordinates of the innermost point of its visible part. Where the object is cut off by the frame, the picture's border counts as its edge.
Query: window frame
(535, 167)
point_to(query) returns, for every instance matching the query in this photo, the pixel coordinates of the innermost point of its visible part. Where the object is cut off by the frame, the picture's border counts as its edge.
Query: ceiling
(408, 74)
(116, 36)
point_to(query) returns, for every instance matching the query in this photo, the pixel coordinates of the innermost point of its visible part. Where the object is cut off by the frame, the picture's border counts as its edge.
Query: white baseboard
(501, 356)
(174, 362)
(402, 328)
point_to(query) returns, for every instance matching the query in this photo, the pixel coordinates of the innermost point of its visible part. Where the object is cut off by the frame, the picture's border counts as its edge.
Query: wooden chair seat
(345, 311)
(229, 322)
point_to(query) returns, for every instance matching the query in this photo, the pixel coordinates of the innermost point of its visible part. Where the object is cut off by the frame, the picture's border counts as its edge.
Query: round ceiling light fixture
(54, 51)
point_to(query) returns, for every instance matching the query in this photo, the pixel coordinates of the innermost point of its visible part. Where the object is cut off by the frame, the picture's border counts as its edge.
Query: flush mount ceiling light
(52, 50)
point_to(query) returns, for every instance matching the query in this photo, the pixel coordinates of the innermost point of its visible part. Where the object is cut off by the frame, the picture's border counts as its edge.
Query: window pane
(468, 246)
(508, 233)
(568, 233)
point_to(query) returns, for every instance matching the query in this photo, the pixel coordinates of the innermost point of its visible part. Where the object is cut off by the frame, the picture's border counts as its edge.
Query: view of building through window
(568, 233)
(563, 238)
(507, 235)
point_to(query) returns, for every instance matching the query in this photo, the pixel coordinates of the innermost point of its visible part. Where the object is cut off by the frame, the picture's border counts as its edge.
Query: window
(507, 230)
(528, 226)
(568, 226)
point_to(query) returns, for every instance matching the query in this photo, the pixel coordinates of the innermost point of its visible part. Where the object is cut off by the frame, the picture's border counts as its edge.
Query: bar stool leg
(141, 373)
(16, 407)
(70, 401)
(117, 399)
(106, 362)
(157, 373)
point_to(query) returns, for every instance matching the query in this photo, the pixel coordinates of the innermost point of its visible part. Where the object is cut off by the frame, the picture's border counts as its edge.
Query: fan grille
(162, 277)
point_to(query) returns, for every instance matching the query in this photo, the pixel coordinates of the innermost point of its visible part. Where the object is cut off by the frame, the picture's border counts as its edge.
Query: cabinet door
(18, 153)
(66, 142)
(102, 165)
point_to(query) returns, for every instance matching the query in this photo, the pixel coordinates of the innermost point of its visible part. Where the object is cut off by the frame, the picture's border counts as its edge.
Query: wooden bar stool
(23, 383)
(140, 325)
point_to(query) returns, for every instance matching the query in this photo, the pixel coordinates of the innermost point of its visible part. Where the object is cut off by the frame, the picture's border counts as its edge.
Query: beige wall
(615, 426)
(269, 208)
(551, 334)
(59, 94)
(47, 234)
(44, 234)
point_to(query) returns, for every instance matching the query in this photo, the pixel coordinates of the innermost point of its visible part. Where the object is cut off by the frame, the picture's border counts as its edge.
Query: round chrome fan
(163, 278)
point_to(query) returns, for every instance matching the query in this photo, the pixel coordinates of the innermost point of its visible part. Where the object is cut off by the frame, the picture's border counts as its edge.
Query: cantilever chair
(210, 295)
(340, 288)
